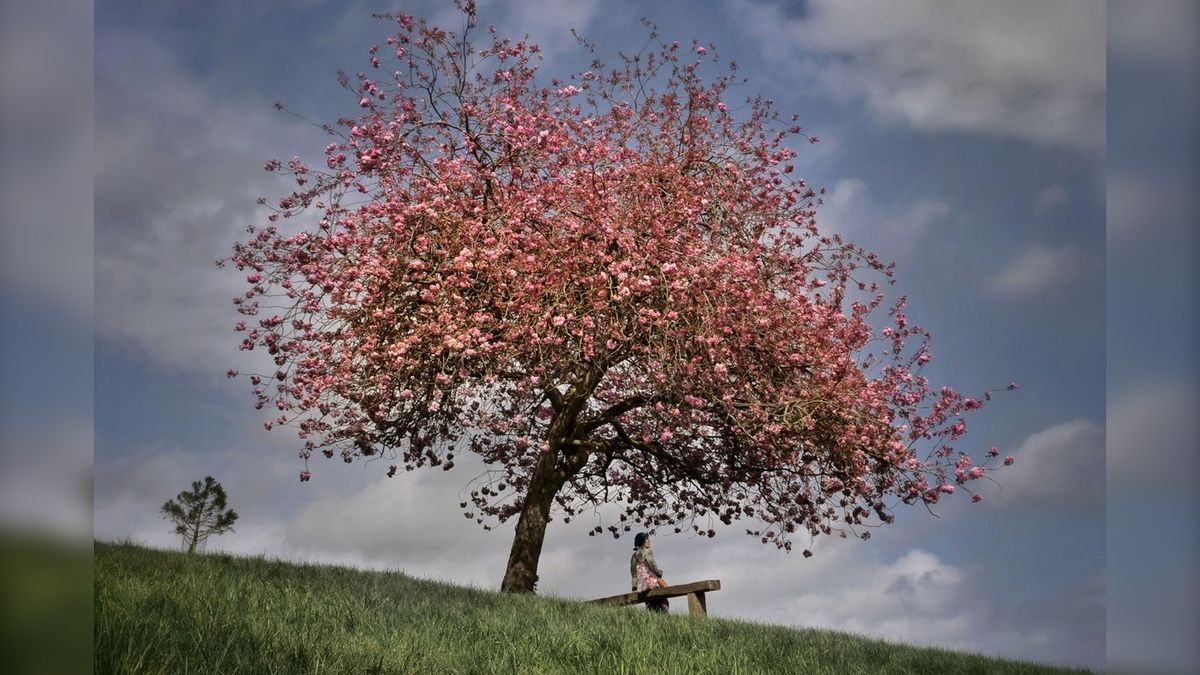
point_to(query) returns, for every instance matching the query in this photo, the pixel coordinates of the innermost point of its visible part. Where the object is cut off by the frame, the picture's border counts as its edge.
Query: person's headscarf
(640, 539)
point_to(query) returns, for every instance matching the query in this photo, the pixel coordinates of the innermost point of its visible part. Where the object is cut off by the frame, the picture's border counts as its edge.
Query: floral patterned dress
(644, 578)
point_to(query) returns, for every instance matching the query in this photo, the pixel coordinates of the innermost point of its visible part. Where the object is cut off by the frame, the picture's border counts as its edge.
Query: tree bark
(521, 574)
(195, 537)
(548, 478)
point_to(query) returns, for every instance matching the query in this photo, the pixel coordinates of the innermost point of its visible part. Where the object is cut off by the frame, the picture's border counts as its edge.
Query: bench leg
(696, 605)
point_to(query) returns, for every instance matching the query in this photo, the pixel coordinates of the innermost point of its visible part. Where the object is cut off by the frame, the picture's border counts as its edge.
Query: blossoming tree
(611, 288)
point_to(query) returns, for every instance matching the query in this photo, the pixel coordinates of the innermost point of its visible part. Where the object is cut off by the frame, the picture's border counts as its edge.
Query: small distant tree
(200, 513)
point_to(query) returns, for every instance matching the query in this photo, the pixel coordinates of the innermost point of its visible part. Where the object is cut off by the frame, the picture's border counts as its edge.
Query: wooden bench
(694, 591)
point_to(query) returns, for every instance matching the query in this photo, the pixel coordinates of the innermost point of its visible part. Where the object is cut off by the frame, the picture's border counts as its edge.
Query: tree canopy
(612, 288)
(200, 513)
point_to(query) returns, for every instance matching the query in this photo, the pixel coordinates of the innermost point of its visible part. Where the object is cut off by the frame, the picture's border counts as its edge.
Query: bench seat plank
(697, 587)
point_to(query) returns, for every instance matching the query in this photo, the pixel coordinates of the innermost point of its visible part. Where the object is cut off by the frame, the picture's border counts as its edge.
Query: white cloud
(1049, 197)
(911, 599)
(45, 155)
(1153, 550)
(549, 22)
(1028, 70)
(411, 522)
(1129, 203)
(851, 210)
(178, 169)
(1153, 619)
(1039, 269)
(130, 489)
(1149, 206)
(1164, 31)
(1153, 430)
(45, 472)
(1061, 465)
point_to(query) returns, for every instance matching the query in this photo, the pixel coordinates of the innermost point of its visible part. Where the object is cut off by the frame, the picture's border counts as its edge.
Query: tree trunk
(521, 574)
(548, 478)
(194, 538)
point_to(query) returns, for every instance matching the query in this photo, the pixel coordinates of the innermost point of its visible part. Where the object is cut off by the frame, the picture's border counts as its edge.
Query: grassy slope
(161, 612)
(45, 604)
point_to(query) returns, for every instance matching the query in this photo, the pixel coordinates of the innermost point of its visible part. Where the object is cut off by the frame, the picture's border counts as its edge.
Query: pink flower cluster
(610, 287)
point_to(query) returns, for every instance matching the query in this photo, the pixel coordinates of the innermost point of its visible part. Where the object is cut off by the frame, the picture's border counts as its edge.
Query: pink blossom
(494, 257)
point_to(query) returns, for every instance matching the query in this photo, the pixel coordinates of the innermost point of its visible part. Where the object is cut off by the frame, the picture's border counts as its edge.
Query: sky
(965, 142)
(965, 145)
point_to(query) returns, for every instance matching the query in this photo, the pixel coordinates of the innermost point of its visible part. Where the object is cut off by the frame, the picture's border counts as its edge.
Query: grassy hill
(163, 612)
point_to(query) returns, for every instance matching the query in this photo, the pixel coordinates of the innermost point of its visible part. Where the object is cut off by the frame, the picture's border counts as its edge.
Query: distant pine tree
(200, 513)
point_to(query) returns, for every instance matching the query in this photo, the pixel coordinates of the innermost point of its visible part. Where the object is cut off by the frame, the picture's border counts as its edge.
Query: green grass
(45, 604)
(165, 612)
